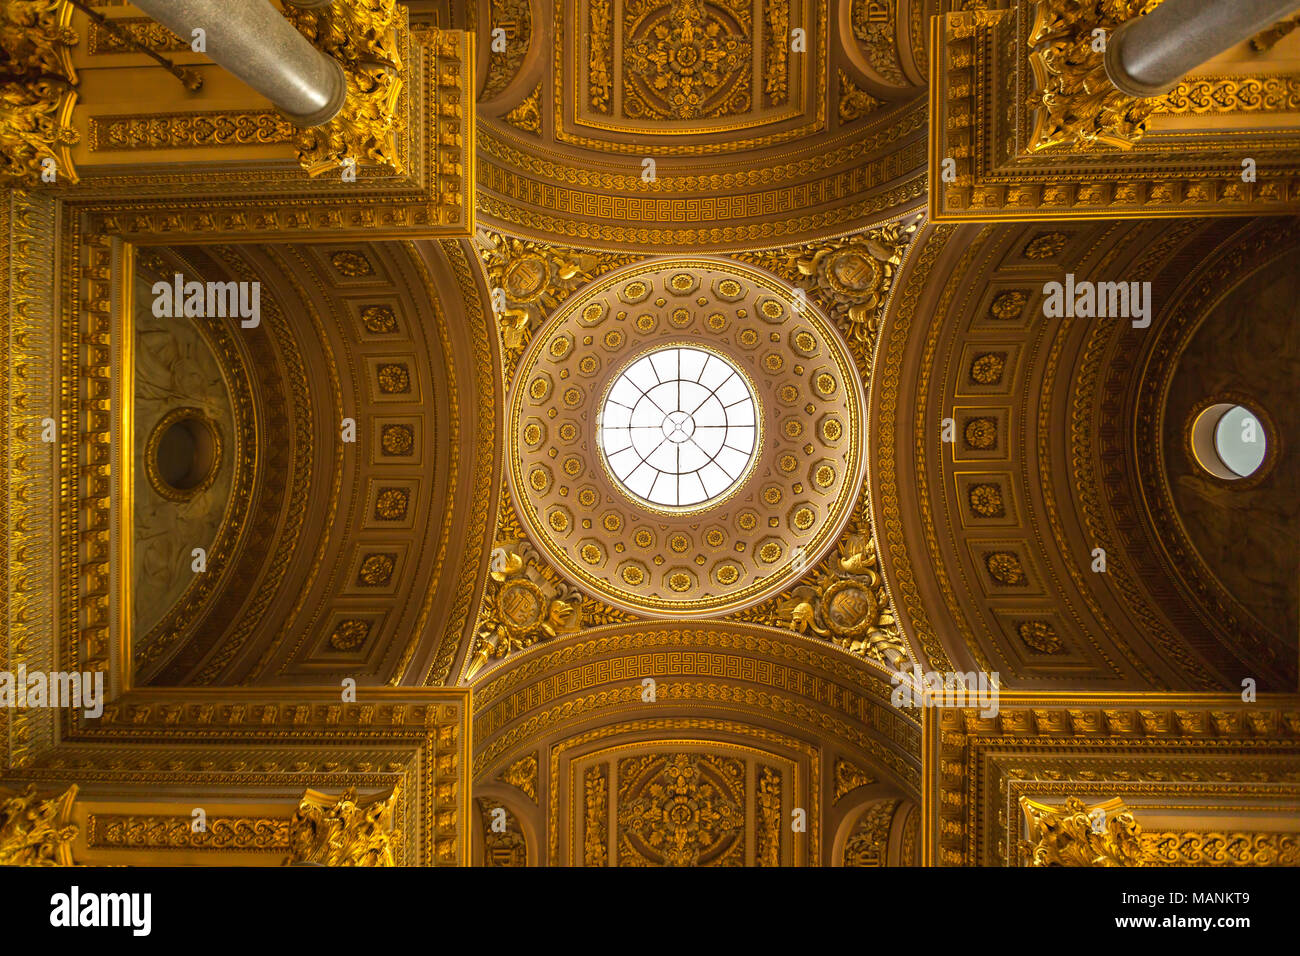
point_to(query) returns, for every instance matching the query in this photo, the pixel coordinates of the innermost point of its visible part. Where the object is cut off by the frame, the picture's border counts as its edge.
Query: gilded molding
(189, 130)
(1233, 94)
(137, 831)
(145, 32)
(798, 681)
(1022, 157)
(478, 540)
(30, 370)
(1041, 746)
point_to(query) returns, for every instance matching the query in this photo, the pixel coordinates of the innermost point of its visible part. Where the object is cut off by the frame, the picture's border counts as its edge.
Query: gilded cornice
(28, 366)
(999, 154)
(205, 742)
(1148, 747)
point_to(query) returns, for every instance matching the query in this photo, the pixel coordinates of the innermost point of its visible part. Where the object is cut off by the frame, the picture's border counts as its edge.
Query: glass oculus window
(679, 428)
(1229, 441)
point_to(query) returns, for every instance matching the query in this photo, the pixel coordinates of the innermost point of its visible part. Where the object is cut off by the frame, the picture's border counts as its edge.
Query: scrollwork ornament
(351, 31)
(850, 277)
(843, 600)
(360, 34)
(362, 131)
(527, 279)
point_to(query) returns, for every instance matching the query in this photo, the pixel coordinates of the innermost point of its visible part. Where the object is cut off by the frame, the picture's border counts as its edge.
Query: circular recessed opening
(182, 454)
(679, 428)
(1229, 441)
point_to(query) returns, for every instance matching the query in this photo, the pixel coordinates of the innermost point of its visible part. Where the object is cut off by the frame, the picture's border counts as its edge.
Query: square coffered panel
(722, 71)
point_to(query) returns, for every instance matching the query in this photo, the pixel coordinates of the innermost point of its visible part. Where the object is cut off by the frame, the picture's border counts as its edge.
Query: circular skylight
(1229, 441)
(679, 427)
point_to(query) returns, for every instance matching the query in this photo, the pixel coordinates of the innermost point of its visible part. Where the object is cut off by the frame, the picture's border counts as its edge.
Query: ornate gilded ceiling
(785, 507)
(395, 538)
(1069, 436)
(687, 124)
(346, 420)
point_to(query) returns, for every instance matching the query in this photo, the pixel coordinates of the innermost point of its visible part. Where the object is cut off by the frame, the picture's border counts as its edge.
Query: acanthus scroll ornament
(37, 831)
(37, 92)
(360, 35)
(1081, 108)
(528, 279)
(850, 278)
(1074, 835)
(343, 830)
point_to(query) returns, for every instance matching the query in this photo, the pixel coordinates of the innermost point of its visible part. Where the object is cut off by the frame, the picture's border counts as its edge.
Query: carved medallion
(687, 59)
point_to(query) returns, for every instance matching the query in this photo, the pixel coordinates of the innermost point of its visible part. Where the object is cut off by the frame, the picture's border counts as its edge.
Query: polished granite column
(1147, 56)
(254, 42)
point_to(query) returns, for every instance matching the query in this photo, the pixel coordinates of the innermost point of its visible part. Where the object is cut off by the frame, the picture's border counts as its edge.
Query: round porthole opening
(1229, 441)
(182, 454)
